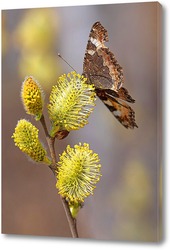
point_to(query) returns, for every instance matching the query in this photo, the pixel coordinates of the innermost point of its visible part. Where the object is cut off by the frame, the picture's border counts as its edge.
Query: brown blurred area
(126, 205)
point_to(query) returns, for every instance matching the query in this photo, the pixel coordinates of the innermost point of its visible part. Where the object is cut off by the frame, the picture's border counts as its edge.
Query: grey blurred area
(126, 205)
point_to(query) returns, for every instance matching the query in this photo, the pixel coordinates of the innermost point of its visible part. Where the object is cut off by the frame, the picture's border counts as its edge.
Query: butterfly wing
(101, 68)
(100, 65)
(119, 108)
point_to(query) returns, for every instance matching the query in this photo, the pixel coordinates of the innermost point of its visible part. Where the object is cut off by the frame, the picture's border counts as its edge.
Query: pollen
(71, 102)
(78, 172)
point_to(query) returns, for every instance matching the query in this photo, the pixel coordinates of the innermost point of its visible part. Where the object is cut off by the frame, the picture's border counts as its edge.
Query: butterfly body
(101, 68)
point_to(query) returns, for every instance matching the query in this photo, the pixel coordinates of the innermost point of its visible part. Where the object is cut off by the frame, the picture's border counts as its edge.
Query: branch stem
(50, 142)
(71, 221)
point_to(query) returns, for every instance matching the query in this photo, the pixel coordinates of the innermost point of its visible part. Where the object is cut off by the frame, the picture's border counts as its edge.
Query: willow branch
(71, 220)
(50, 141)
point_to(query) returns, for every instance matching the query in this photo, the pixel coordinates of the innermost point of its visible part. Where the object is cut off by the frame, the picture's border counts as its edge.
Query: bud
(74, 208)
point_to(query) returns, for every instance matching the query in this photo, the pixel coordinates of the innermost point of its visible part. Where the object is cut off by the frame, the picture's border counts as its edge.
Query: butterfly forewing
(101, 68)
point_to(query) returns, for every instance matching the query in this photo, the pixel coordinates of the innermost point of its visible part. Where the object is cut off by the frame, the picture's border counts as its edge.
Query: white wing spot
(91, 52)
(117, 113)
(107, 102)
(95, 41)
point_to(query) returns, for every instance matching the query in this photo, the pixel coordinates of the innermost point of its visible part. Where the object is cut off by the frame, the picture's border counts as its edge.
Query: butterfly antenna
(66, 62)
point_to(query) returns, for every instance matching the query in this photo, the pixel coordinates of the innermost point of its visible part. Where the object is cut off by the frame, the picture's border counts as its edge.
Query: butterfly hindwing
(119, 108)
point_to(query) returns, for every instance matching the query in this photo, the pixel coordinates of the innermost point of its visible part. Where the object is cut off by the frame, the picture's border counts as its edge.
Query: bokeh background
(126, 205)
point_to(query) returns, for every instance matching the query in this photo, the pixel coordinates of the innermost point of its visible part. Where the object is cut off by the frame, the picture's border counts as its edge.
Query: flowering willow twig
(70, 104)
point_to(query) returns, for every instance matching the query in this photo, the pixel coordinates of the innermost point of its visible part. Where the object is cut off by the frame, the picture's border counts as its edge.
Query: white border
(28, 242)
(51, 3)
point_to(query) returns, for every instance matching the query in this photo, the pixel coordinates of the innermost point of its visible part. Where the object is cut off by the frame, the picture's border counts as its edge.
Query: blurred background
(126, 205)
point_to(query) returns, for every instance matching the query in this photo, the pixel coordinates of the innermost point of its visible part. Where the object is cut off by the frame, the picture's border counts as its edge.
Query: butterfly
(101, 68)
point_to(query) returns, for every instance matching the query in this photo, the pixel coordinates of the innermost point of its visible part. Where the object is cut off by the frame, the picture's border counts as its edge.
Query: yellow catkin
(78, 172)
(70, 103)
(26, 139)
(32, 97)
